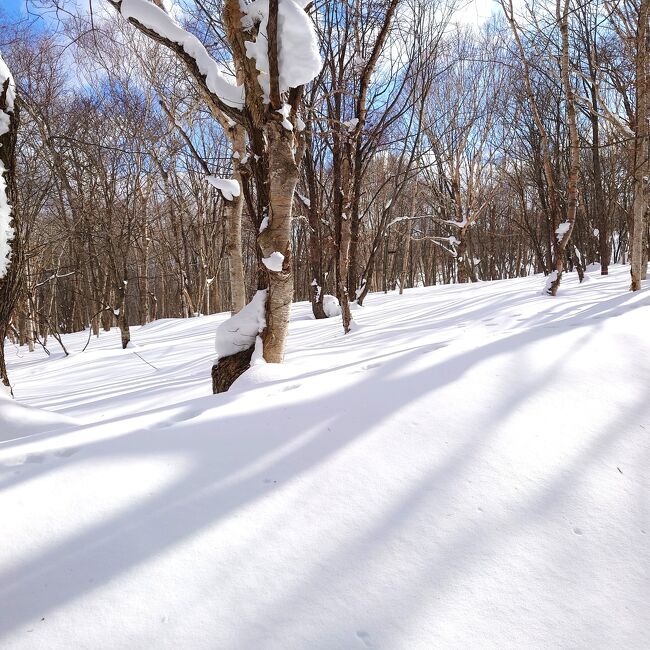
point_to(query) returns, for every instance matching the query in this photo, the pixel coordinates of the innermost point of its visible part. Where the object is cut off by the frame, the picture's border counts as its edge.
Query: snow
(299, 58)
(359, 63)
(6, 231)
(351, 125)
(549, 280)
(285, 111)
(562, 230)
(11, 89)
(258, 352)
(264, 225)
(217, 79)
(468, 469)
(274, 262)
(304, 199)
(331, 306)
(229, 188)
(17, 419)
(240, 331)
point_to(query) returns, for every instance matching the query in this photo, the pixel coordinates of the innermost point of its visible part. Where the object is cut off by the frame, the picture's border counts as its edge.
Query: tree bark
(283, 177)
(233, 225)
(641, 153)
(574, 150)
(11, 283)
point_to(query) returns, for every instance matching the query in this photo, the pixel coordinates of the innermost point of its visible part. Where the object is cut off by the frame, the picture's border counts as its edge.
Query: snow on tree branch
(228, 187)
(155, 19)
(7, 99)
(299, 59)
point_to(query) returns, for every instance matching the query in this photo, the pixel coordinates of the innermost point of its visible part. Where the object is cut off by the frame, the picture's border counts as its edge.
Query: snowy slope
(469, 468)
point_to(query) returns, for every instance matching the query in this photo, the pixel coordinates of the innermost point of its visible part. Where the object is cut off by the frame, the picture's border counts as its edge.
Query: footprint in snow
(290, 387)
(577, 531)
(175, 419)
(434, 347)
(370, 366)
(364, 637)
(35, 458)
(66, 453)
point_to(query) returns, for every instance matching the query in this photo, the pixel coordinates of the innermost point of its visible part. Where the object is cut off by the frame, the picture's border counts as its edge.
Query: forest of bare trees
(419, 150)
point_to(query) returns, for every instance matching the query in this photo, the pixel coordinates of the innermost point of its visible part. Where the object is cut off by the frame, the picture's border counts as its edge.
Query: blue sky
(12, 6)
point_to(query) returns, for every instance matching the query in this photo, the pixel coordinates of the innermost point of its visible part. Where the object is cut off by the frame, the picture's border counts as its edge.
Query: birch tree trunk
(283, 177)
(641, 150)
(122, 318)
(564, 236)
(11, 281)
(233, 225)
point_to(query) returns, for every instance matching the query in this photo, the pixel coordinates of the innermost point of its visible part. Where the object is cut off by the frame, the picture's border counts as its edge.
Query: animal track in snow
(66, 453)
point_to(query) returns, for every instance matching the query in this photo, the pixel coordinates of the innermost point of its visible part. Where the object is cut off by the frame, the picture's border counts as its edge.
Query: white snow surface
(217, 79)
(299, 58)
(228, 187)
(468, 469)
(240, 331)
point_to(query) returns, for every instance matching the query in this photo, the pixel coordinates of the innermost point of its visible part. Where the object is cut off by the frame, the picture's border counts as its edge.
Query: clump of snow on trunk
(240, 331)
(562, 230)
(298, 55)
(6, 231)
(550, 279)
(285, 111)
(258, 353)
(331, 306)
(274, 262)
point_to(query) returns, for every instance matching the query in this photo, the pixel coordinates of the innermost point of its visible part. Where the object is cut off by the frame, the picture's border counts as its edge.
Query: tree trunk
(11, 281)
(122, 320)
(343, 238)
(228, 369)
(574, 151)
(276, 238)
(233, 227)
(640, 158)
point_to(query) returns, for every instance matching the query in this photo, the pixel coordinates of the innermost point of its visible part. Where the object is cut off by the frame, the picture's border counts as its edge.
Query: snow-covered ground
(468, 469)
